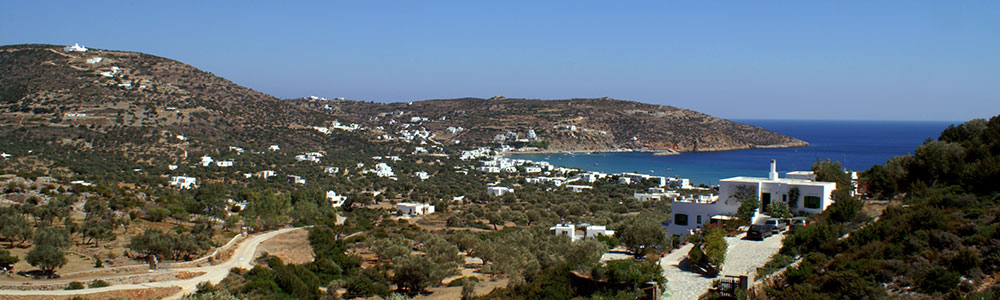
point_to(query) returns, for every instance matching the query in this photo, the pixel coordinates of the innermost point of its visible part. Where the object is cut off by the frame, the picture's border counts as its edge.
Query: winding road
(241, 258)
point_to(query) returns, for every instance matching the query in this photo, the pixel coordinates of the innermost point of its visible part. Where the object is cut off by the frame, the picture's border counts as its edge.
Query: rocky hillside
(559, 125)
(45, 86)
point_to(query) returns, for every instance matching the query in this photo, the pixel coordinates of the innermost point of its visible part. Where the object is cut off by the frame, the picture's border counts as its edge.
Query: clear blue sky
(877, 60)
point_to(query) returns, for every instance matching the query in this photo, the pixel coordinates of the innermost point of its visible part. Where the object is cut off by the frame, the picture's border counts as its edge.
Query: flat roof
(779, 180)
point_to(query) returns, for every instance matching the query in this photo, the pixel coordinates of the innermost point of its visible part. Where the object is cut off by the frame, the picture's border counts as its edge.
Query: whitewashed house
(296, 179)
(224, 163)
(75, 48)
(692, 213)
(331, 170)
(171, 167)
(184, 182)
(335, 200)
(597, 230)
(578, 188)
(206, 160)
(590, 231)
(265, 174)
(273, 148)
(498, 191)
(413, 209)
(422, 175)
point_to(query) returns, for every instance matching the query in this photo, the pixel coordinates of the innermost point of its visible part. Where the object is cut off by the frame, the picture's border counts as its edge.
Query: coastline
(659, 152)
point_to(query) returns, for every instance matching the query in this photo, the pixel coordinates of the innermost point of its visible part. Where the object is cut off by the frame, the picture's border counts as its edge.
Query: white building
(94, 60)
(184, 182)
(224, 163)
(532, 169)
(654, 195)
(172, 167)
(335, 200)
(578, 188)
(498, 190)
(331, 170)
(265, 174)
(381, 170)
(273, 148)
(422, 175)
(691, 213)
(590, 231)
(596, 230)
(75, 48)
(409, 208)
(206, 161)
(296, 179)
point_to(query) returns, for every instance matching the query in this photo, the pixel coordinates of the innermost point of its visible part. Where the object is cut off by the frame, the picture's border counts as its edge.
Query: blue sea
(858, 145)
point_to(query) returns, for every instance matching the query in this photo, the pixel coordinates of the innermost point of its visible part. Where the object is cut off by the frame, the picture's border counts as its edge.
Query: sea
(858, 145)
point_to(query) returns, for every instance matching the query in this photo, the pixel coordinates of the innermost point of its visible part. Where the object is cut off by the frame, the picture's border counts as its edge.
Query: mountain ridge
(44, 85)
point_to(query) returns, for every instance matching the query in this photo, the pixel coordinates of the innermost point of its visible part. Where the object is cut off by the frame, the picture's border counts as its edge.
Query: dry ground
(150, 293)
(292, 247)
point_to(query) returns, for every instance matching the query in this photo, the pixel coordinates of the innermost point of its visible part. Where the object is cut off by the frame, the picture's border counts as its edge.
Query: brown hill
(45, 85)
(561, 125)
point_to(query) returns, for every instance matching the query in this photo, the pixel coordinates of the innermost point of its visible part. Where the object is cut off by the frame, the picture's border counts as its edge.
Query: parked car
(777, 224)
(760, 231)
(798, 222)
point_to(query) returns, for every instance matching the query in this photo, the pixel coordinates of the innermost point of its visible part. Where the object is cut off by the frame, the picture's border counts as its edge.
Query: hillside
(45, 85)
(602, 124)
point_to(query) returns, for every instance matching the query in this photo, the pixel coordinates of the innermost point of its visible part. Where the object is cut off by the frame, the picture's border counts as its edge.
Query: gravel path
(742, 257)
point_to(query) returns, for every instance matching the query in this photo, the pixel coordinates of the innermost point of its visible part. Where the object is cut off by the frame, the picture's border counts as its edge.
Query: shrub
(75, 285)
(98, 284)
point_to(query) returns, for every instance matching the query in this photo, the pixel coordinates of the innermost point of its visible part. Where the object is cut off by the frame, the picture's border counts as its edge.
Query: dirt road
(241, 258)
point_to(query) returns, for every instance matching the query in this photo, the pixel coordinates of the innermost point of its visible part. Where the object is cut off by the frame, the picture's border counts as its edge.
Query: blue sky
(867, 60)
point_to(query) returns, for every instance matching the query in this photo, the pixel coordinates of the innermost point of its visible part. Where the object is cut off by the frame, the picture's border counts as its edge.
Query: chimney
(774, 171)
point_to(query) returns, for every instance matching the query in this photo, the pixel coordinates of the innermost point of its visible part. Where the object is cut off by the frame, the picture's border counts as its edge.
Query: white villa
(498, 190)
(184, 182)
(273, 148)
(813, 197)
(335, 200)
(75, 48)
(409, 208)
(422, 175)
(578, 188)
(589, 232)
(331, 170)
(224, 163)
(265, 174)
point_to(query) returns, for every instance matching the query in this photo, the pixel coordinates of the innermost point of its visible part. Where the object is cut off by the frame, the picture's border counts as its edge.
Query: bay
(858, 145)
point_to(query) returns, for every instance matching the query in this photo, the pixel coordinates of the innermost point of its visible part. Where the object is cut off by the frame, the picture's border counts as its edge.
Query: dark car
(759, 232)
(798, 222)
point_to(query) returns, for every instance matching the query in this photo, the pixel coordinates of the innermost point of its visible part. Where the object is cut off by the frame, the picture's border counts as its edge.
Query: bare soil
(150, 293)
(292, 247)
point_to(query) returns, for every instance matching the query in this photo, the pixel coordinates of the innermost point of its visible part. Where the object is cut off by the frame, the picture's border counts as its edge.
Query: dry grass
(150, 293)
(292, 247)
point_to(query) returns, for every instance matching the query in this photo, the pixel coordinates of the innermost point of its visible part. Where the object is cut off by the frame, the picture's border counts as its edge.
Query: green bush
(98, 284)
(75, 285)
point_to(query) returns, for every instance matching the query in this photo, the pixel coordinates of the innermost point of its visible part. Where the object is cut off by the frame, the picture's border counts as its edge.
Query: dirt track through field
(241, 258)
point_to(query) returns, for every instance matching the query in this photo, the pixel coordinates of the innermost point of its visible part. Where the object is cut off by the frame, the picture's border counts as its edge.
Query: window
(681, 219)
(698, 219)
(811, 202)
